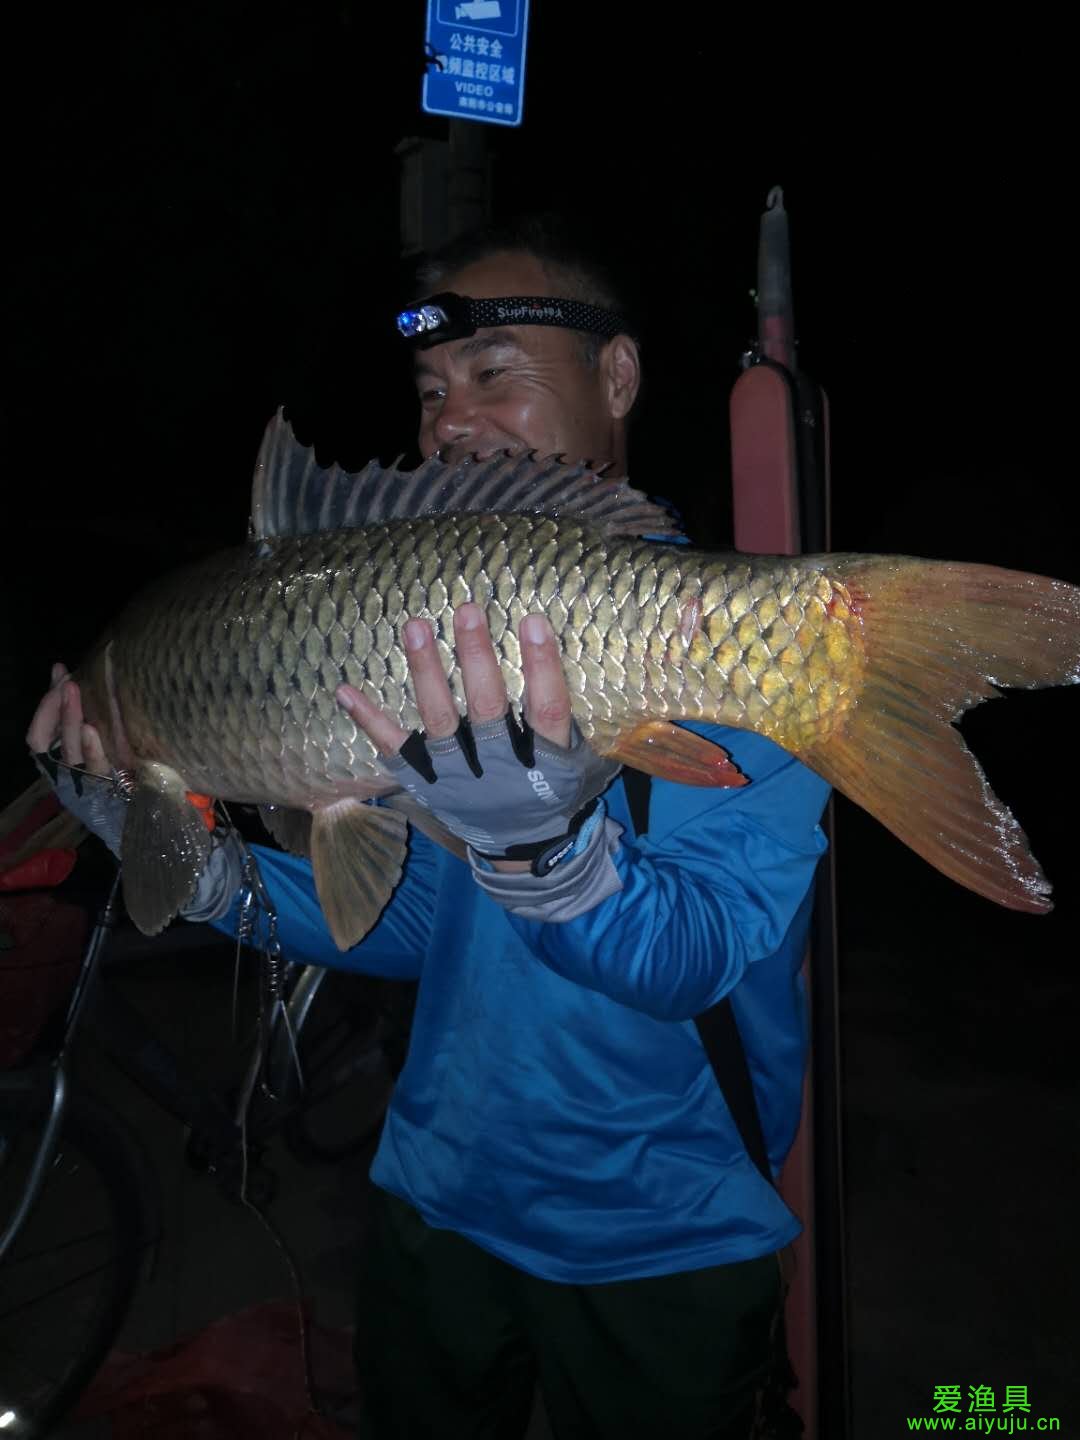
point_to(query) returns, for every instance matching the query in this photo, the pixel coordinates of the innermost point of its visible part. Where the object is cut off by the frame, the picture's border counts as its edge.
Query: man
(560, 1194)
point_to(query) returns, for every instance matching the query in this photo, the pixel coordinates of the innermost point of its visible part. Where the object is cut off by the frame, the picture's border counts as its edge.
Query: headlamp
(447, 316)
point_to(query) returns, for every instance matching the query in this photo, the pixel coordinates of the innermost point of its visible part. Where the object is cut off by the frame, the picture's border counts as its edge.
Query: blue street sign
(479, 69)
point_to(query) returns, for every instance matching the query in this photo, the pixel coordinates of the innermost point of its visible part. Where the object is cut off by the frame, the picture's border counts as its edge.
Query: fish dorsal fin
(293, 495)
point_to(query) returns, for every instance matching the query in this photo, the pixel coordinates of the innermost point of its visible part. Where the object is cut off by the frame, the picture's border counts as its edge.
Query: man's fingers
(94, 757)
(45, 724)
(71, 724)
(438, 712)
(384, 732)
(547, 699)
(485, 693)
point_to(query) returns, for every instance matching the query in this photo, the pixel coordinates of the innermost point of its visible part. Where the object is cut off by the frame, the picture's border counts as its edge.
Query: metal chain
(255, 900)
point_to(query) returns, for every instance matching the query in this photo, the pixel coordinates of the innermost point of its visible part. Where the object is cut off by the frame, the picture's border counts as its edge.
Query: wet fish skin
(221, 679)
(228, 670)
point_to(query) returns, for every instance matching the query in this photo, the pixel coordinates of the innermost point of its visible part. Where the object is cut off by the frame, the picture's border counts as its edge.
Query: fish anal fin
(290, 828)
(164, 849)
(357, 854)
(664, 750)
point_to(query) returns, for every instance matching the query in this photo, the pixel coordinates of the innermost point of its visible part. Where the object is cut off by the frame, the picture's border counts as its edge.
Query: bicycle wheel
(66, 1285)
(338, 1027)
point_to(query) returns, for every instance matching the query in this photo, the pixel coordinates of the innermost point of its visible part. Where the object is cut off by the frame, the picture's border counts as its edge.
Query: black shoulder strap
(719, 1031)
(638, 787)
(717, 1026)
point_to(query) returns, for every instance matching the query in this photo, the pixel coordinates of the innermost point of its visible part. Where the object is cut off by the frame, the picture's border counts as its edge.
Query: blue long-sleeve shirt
(557, 1106)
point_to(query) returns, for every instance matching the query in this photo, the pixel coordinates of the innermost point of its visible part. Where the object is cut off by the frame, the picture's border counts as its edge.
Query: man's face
(516, 388)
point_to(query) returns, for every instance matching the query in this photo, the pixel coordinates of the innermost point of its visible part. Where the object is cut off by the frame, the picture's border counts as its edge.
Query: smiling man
(540, 386)
(560, 1194)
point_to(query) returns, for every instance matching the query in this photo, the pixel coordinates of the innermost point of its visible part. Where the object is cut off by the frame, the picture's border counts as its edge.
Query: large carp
(221, 678)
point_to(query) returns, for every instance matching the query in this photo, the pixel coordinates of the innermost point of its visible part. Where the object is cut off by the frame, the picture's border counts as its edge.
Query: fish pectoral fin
(662, 749)
(164, 849)
(357, 854)
(290, 828)
(425, 822)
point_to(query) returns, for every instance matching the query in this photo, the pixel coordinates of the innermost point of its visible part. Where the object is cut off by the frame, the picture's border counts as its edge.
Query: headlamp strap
(451, 317)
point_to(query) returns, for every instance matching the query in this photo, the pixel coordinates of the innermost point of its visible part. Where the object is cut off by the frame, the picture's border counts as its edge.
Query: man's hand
(466, 804)
(59, 716)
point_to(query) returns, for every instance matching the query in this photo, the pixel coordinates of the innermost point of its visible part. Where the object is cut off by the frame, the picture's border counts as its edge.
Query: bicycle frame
(21, 1082)
(218, 1131)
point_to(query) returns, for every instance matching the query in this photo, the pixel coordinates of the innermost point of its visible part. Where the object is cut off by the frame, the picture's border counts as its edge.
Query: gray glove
(94, 800)
(504, 790)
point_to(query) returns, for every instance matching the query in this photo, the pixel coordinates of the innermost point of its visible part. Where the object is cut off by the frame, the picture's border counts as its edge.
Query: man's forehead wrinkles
(496, 339)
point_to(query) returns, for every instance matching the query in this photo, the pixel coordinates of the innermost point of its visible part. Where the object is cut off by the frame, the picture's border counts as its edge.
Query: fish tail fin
(940, 638)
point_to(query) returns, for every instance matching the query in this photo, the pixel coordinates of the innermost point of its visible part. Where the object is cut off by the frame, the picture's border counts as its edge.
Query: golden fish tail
(940, 638)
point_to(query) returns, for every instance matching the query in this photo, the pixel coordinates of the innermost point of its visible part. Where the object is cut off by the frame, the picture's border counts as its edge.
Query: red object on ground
(241, 1378)
(39, 871)
(46, 809)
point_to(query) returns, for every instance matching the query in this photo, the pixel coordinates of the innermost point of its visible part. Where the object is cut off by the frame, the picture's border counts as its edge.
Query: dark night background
(203, 215)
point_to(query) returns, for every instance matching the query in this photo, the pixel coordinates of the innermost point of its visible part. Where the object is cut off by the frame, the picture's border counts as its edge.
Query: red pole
(780, 492)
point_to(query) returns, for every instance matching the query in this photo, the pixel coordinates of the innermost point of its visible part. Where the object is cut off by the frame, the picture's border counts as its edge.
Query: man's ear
(620, 373)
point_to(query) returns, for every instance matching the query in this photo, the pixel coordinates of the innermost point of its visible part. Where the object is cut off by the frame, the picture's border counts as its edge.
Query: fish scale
(281, 631)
